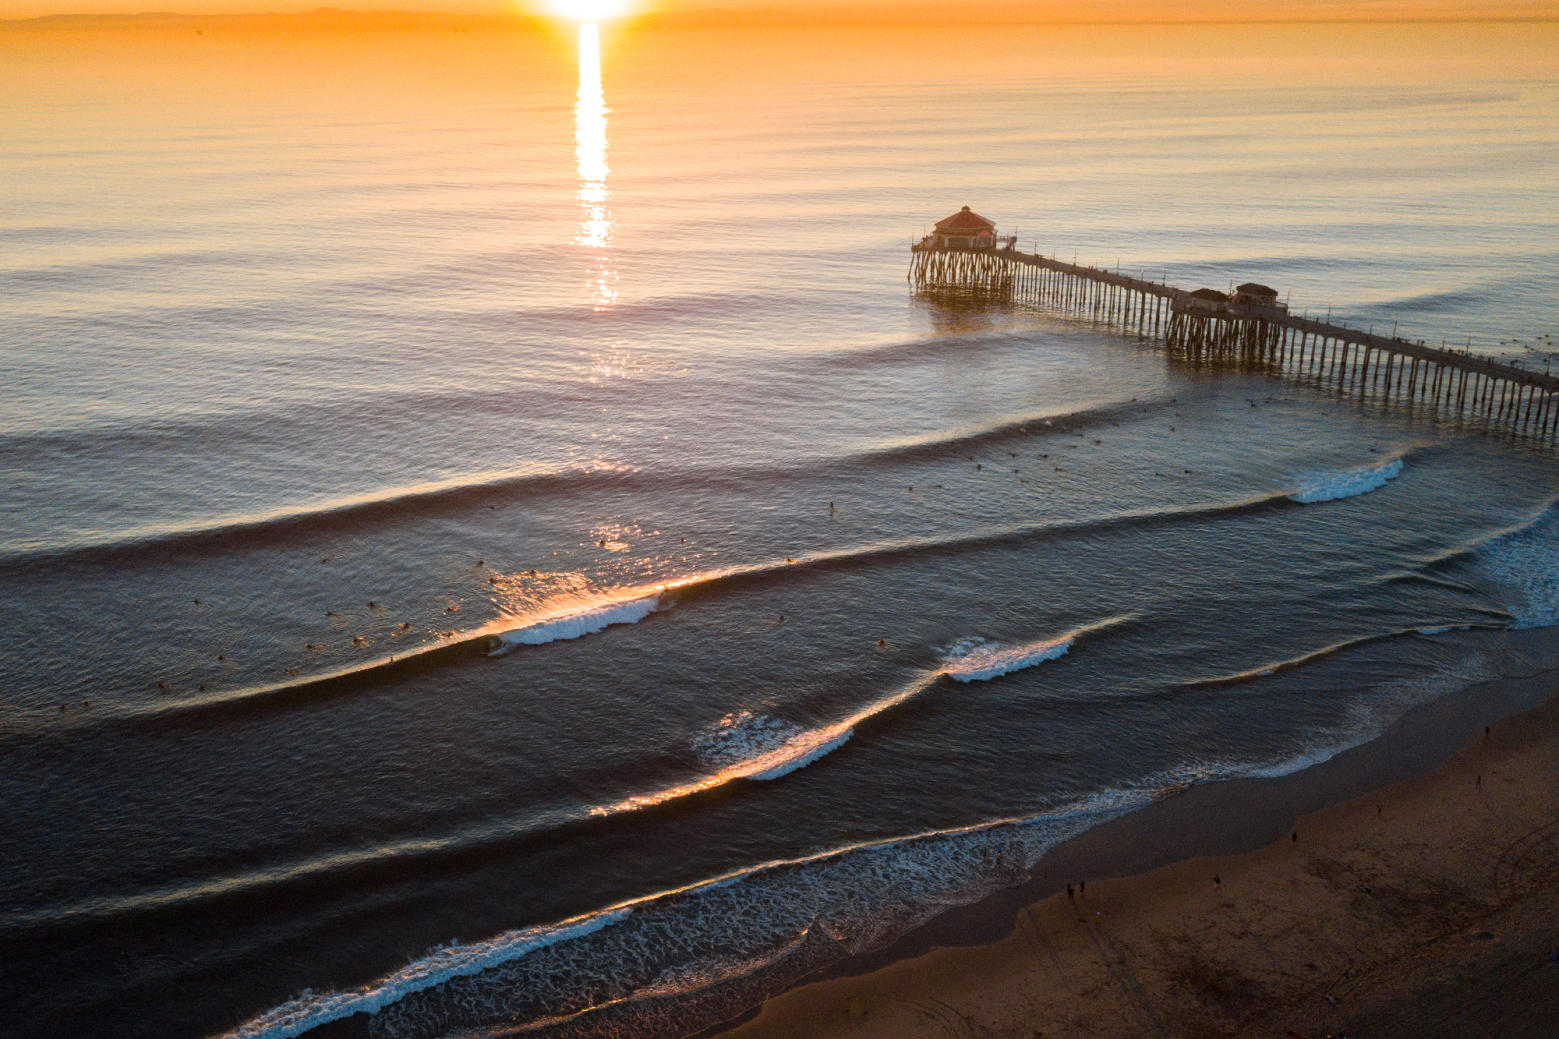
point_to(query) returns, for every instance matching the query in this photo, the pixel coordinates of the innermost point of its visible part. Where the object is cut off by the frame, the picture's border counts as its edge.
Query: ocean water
(491, 541)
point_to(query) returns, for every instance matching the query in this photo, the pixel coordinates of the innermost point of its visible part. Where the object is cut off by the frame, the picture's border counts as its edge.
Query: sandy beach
(1426, 907)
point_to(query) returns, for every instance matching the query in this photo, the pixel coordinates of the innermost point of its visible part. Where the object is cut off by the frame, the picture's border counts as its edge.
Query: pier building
(965, 258)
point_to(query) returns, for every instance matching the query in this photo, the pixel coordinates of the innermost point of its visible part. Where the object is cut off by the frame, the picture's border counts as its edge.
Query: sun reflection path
(595, 220)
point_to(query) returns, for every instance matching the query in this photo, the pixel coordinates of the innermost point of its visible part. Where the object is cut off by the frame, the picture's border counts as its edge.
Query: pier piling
(1257, 336)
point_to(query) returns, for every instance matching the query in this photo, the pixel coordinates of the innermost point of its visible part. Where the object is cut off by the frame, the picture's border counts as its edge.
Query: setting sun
(589, 10)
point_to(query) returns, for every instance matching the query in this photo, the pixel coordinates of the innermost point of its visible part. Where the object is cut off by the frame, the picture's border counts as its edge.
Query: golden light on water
(595, 220)
(590, 113)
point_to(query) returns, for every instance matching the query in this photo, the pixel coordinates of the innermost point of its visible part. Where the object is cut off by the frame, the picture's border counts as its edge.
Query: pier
(1251, 330)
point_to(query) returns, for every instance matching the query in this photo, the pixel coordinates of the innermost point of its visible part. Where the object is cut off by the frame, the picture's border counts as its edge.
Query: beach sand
(1426, 907)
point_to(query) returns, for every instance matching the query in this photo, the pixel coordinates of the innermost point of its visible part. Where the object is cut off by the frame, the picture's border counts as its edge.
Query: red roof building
(1207, 301)
(1254, 294)
(965, 229)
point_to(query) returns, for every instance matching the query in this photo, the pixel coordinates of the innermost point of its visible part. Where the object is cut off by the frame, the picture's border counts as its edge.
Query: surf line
(630, 606)
(588, 614)
(1277, 667)
(312, 1010)
(983, 662)
(801, 748)
(797, 751)
(769, 760)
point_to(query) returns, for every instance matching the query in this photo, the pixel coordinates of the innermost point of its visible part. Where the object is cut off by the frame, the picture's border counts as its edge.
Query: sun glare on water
(596, 220)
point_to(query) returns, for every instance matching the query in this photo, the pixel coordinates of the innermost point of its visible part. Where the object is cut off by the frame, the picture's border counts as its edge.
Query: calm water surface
(490, 540)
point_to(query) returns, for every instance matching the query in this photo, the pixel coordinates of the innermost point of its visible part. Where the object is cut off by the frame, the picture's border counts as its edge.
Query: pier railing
(1001, 243)
(1264, 337)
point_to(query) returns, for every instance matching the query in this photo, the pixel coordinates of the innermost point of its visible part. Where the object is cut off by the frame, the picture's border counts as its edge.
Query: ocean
(493, 545)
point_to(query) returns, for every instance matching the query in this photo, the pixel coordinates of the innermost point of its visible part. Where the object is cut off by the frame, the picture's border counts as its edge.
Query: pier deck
(1388, 368)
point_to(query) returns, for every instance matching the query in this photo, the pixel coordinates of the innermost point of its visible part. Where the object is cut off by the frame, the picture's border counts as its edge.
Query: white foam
(742, 735)
(800, 757)
(1345, 483)
(673, 942)
(575, 625)
(1526, 562)
(310, 1011)
(747, 746)
(743, 745)
(1372, 714)
(677, 941)
(975, 659)
(1305, 759)
(982, 661)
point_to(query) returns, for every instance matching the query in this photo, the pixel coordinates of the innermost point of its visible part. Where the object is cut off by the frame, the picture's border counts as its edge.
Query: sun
(589, 10)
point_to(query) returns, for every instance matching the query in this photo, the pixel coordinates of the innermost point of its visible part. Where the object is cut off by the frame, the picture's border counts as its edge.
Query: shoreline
(1392, 800)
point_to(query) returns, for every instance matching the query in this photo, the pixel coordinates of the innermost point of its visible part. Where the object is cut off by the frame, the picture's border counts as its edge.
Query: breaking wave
(639, 955)
(585, 613)
(575, 625)
(438, 967)
(1345, 483)
(742, 745)
(976, 660)
(679, 960)
(1524, 562)
(748, 746)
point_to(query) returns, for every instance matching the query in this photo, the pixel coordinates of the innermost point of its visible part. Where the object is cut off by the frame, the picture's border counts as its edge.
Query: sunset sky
(958, 10)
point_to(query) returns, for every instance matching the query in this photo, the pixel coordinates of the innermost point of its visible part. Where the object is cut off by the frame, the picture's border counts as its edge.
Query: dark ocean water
(494, 545)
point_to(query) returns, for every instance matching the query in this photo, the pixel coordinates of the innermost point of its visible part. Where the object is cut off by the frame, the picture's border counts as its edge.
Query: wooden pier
(1206, 328)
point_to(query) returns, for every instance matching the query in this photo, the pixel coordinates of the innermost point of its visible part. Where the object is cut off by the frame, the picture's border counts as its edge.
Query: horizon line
(811, 16)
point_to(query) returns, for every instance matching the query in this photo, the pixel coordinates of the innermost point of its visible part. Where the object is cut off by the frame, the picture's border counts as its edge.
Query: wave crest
(1047, 423)
(586, 621)
(633, 956)
(1345, 483)
(642, 964)
(1525, 562)
(974, 660)
(762, 747)
(439, 967)
(977, 660)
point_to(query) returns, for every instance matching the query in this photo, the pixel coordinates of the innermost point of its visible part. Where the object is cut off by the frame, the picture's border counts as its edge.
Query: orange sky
(888, 11)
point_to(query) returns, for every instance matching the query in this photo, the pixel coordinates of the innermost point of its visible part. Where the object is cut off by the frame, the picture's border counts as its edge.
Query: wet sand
(1417, 906)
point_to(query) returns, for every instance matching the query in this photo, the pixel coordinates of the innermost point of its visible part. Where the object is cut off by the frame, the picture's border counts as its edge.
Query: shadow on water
(957, 312)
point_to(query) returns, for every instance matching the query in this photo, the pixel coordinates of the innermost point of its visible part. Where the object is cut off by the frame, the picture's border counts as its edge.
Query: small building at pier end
(965, 229)
(1206, 301)
(1254, 294)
